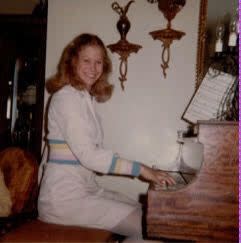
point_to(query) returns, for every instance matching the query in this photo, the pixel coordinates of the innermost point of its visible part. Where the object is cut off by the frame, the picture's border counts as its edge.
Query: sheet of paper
(206, 102)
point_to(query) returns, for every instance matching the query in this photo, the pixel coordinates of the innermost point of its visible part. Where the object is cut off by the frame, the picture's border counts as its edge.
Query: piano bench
(38, 231)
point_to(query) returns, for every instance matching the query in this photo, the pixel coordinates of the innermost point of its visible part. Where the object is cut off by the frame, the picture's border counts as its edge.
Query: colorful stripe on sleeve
(124, 167)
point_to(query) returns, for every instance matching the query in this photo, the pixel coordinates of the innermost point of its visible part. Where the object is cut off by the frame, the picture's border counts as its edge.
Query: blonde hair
(66, 70)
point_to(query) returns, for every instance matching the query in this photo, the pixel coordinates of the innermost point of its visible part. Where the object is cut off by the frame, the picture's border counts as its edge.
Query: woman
(69, 193)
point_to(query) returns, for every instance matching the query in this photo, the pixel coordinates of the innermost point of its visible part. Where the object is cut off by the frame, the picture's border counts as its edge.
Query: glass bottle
(179, 161)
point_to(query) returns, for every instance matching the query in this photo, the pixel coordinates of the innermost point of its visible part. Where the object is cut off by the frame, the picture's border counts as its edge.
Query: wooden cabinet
(22, 79)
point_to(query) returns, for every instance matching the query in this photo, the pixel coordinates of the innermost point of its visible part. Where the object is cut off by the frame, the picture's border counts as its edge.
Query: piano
(205, 209)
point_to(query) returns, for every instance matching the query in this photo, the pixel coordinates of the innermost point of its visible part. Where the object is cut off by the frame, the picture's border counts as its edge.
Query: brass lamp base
(166, 36)
(124, 49)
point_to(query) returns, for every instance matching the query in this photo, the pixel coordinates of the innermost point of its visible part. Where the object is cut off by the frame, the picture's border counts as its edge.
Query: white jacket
(69, 194)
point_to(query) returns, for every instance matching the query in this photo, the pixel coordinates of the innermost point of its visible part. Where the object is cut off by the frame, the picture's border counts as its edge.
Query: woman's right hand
(157, 176)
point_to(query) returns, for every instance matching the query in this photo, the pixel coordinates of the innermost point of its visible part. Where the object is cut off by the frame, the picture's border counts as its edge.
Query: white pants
(132, 228)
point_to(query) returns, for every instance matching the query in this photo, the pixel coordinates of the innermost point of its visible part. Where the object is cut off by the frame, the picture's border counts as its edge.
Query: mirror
(211, 12)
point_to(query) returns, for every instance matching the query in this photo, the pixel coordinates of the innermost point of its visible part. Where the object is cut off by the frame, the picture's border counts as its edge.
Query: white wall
(141, 122)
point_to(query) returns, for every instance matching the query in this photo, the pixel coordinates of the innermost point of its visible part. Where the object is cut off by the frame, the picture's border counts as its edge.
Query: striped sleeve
(124, 167)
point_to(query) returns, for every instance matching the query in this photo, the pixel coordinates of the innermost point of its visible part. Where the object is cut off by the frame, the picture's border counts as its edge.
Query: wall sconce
(123, 47)
(169, 8)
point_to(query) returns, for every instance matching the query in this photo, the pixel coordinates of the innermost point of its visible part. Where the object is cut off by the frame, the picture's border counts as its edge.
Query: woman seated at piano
(69, 193)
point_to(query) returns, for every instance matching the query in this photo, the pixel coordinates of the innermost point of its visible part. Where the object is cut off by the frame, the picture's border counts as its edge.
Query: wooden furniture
(37, 231)
(22, 42)
(20, 170)
(205, 210)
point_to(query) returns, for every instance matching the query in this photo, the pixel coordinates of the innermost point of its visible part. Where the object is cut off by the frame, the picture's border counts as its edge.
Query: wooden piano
(206, 209)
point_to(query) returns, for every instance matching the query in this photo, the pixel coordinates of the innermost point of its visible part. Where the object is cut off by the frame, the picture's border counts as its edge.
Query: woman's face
(90, 64)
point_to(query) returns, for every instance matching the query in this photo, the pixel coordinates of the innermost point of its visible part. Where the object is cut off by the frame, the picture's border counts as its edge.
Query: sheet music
(206, 101)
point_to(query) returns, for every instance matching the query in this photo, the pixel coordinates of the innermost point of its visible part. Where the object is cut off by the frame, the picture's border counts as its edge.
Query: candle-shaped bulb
(219, 37)
(220, 31)
(233, 31)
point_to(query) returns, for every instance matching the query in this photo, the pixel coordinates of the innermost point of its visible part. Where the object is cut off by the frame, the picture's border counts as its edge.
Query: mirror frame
(201, 42)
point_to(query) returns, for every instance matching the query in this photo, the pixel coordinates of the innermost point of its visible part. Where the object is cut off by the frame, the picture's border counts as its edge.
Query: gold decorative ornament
(169, 8)
(123, 48)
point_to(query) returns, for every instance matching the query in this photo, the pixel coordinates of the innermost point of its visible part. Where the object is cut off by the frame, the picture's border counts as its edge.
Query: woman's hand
(157, 176)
